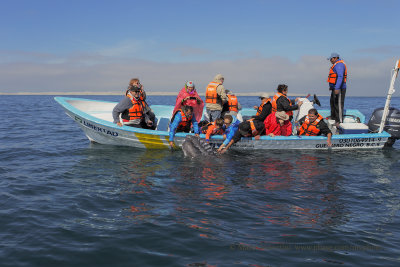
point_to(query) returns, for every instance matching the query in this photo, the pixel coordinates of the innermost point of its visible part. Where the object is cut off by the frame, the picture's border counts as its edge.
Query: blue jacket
(175, 124)
(231, 130)
(339, 70)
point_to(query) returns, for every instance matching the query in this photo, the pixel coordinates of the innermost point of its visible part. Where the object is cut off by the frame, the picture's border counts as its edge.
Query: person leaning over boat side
(131, 109)
(232, 106)
(215, 97)
(231, 125)
(264, 109)
(277, 123)
(213, 128)
(281, 102)
(147, 110)
(188, 96)
(182, 121)
(337, 80)
(313, 124)
(250, 128)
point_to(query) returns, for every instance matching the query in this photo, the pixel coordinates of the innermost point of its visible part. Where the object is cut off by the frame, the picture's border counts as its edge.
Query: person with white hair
(215, 97)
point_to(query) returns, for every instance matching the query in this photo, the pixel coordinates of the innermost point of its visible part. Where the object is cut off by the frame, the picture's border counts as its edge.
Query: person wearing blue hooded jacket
(182, 121)
(231, 125)
(337, 80)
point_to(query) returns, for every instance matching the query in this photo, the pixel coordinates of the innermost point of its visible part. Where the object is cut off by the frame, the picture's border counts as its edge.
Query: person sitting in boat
(146, 108)
(231, 125)
(232, 106)
(250, 128)
(188, 96)
(182, 121)
(213, 128)
(281, 102)
(131, 111)
(313, 125)
(277, 123)
(264, 109)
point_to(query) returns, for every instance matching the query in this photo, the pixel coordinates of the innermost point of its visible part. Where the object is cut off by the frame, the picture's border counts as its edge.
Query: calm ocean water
(68, 202)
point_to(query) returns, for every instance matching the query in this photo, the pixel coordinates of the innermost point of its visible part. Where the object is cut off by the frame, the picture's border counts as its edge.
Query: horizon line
(161, 94)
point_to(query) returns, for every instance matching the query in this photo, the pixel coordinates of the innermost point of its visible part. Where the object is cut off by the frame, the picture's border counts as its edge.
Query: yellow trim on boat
(151, 141)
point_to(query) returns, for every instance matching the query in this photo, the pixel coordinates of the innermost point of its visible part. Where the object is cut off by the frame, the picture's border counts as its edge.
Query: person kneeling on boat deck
(213, 128)
(182, 121)
(277, 123)
(250, 128)
(264, 109)
(313, 124)
(131, 109)
(281, 102)
(231, 125)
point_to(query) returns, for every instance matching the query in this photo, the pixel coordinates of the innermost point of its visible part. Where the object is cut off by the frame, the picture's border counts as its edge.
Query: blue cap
(333, 55)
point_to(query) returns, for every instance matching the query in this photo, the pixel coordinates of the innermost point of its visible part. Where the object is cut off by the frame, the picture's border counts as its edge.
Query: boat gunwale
(63, 101)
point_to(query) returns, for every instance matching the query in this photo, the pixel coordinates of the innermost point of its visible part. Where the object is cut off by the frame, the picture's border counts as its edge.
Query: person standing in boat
(232, 106)
(130, 110)
(281, 102)
(313, 124)
(337, 80)
(147, 110)
(250, 128)
(264, 109)
(215, 97)
(188, 96)
(278, 124)
(182, 121)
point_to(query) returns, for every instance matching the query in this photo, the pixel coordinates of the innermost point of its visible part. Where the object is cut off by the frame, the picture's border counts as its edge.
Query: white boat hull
(95, 119)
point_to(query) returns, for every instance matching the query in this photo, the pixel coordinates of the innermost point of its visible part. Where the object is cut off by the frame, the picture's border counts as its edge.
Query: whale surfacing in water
(194, 146)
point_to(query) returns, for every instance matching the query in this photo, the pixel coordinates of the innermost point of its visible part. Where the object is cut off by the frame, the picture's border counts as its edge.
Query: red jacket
(272, 126)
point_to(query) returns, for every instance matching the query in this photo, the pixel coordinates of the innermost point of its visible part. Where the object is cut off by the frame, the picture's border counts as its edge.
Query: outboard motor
(392, 124)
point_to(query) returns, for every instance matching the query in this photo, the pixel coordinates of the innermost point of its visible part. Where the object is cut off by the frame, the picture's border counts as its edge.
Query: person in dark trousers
(337, 80)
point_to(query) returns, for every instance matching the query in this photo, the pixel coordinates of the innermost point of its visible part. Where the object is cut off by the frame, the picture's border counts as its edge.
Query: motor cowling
(392, 124)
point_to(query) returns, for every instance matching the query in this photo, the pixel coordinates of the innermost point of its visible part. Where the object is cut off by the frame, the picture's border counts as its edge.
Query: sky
(98, 46)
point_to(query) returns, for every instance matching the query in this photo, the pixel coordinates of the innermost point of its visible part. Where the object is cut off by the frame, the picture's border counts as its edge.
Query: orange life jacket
(332, 77)
(211, 129)
(233, 103)
(254, 131)
(260, 108)
(275, 106)
(211, 92)
(136, 111)
(186, 122)
(310, 129)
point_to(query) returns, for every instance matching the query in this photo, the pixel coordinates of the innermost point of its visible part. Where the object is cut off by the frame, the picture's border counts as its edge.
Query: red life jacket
(275, 107)
(310, 129)
(233, 103)
(332, 77)
(211, 92)
(260, 108)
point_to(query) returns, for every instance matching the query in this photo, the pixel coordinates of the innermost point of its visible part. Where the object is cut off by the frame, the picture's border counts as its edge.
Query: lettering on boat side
(356, 142)
(94, 127)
